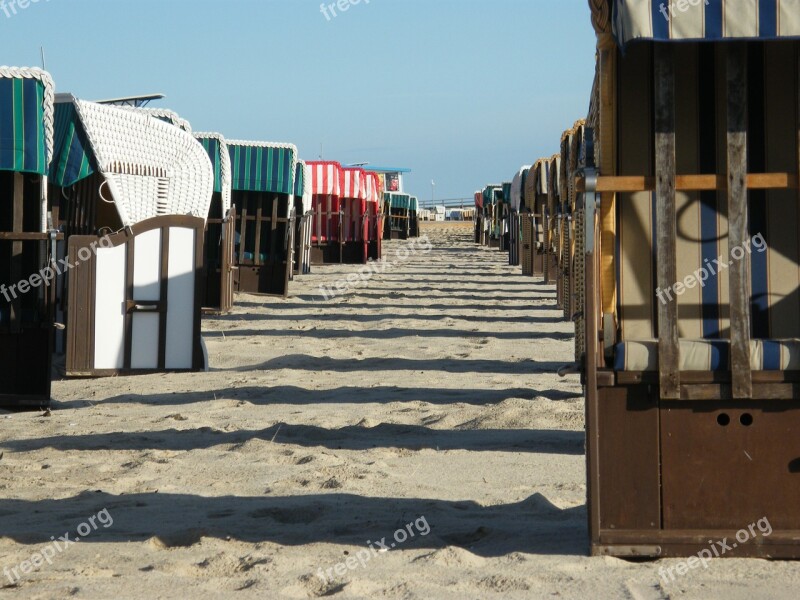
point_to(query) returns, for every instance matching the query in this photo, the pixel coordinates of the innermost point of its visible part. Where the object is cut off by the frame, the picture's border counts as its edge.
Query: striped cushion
(702, 224)
(709, 355)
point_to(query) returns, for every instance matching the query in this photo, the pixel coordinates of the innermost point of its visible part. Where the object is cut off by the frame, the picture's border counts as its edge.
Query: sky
(462, 92)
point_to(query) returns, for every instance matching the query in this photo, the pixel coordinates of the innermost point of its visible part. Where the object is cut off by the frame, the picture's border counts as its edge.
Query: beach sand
(423, 399)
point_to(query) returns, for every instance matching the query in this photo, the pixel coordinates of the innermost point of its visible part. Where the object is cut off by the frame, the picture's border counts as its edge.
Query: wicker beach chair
(131, 194)
(688, 188)
(27, 239)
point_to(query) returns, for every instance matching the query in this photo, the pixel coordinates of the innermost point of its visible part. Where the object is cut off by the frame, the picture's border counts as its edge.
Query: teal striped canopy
(414, 204)
(491, 194)
(506, 198)
(212, 147)
(73, 157)
(401, 201)
(299, 180)
(23, 139)
(262, 167)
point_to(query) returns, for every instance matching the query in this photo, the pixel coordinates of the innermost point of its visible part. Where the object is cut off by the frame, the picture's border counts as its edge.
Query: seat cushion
(709, 355)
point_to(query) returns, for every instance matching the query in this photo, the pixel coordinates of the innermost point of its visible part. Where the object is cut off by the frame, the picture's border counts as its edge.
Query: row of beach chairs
(668, 222)
(120, 227)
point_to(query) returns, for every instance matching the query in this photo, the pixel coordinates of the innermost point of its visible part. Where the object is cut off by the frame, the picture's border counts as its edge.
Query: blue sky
(461, 91)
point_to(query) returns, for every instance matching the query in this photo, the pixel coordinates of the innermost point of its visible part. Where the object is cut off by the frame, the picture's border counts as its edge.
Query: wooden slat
(691, 183)
(130, 250)
(242, 235)
(666, 229)
(29, 237)
(274, 230)
(738, 221)
(259, 217)
(15, 318)
(163, 299)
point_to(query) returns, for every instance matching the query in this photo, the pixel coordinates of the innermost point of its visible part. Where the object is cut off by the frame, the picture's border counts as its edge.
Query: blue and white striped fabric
(711, 20)
(709, 355)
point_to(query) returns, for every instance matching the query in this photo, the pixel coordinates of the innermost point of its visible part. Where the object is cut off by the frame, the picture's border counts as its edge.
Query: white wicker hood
(152, 168)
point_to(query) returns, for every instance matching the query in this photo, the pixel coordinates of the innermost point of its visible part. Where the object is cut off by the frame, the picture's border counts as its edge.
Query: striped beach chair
(263, 190)
(374, 216)
(354, 216)
(688, 187)
(220, 234)
(326, 189)
(27, 238)
(301, 248)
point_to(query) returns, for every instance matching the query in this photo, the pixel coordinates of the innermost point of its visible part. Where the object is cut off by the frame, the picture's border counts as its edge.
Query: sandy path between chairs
(424, 399)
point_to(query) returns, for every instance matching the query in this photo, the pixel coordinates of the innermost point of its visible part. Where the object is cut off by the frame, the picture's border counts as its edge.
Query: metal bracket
(591, 202)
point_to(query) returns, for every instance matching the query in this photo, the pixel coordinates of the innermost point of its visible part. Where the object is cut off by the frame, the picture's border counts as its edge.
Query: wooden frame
(267, 269)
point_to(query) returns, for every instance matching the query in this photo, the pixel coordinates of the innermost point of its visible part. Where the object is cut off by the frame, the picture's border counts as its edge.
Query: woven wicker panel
(527, 245)
(152, 168)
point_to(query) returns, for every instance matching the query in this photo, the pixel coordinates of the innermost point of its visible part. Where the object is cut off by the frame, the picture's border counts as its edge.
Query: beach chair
(301, 249)
(374, 216)
(413, 217)
(690, 162)
(556, 220)
(326, 229)
(263, 192)
(515, 228)
(478, 218)
(27, 238)
(505, 216)
(491, 199)
(355, 247)
(532, 222)
(397, 206)
(220, 233)
(131, 194)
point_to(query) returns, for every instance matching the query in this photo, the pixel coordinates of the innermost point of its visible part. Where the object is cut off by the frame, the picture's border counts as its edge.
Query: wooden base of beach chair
(374, 250)
(218, 251)
(267, 280)
(135, 299)
(26, 373)
(26, 317)
(326, 254)
(665, 477)
(354, 253)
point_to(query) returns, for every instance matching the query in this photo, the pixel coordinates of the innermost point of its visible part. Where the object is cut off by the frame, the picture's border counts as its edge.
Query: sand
(424, 399)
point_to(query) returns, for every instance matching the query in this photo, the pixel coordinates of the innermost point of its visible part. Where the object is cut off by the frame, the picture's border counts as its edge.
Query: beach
(406, 437)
